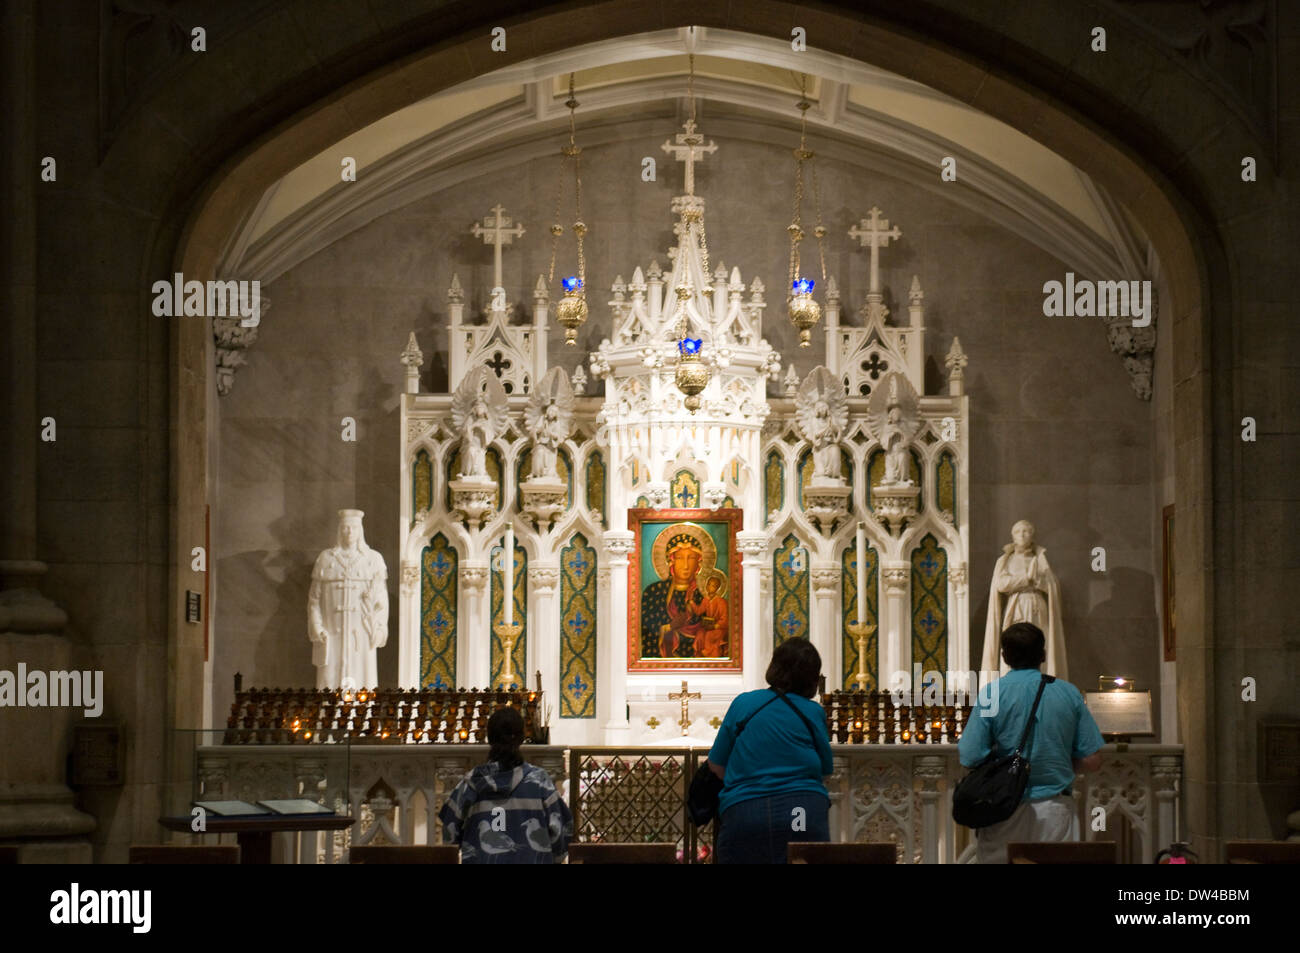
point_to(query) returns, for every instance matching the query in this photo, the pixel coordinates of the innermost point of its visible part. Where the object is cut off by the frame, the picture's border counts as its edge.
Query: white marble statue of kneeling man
(1024, 589)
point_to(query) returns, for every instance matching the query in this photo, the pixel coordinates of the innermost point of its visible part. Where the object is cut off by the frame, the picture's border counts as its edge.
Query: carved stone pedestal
(826, 502)
(473, 499)
(543, 499)
(895, 505)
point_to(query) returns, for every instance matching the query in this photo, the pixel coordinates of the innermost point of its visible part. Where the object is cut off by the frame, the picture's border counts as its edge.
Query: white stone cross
(690, 149)
(497, 233)
(875, 233)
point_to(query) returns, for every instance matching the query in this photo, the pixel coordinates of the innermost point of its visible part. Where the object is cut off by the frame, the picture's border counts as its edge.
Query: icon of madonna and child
(685, 603)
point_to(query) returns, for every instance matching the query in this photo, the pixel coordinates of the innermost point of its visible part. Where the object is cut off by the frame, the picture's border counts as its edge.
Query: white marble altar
(799, 471)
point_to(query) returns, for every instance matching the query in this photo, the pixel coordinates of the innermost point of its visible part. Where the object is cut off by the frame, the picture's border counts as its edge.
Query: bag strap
(1033, 711)
(812, 732)
(741, 727)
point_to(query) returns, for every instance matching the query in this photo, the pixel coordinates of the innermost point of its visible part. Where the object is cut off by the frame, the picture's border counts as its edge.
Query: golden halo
(702, 581)
(702, 539)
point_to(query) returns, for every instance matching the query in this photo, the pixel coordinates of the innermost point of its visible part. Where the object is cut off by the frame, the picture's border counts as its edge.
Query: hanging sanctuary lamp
(571, 311)
(692, 374)
(804, 310)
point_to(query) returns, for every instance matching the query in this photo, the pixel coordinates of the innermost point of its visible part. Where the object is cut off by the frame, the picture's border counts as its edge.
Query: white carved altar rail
(878, 792)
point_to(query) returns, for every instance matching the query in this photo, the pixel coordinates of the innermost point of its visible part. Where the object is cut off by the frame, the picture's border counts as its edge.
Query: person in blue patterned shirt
(507, 811)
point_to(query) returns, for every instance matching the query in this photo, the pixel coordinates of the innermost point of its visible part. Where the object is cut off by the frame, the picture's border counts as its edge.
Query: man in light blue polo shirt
(1064, 742)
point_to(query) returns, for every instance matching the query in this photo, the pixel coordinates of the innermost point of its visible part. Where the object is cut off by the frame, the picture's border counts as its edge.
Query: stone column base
(41, 821)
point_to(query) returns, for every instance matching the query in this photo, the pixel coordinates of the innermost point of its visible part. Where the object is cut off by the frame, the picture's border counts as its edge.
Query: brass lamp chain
(803, 154)
(797, 217)
(571, 151)
(819, 231)
(695, 221)
(556, 228)
(796, 226)
(704, 251)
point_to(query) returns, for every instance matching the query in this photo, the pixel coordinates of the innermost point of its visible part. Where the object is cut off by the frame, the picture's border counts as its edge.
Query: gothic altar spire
(691, 280)
(689, 146)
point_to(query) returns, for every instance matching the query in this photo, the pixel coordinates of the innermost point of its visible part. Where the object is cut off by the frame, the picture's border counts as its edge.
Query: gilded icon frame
(648, 525)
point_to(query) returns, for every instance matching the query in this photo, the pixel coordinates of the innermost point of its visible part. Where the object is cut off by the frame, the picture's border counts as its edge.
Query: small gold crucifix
(685, 697)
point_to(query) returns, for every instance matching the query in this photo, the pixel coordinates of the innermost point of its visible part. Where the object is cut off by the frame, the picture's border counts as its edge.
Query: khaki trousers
(1052, 819)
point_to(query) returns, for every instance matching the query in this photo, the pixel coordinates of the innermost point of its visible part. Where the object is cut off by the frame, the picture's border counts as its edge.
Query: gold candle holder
(508, 633)
(861, 632)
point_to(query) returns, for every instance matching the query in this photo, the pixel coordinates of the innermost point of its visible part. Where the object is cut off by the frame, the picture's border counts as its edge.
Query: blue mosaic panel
(684, 491)
(930, 605)
(519, 654)
(790, 593)
(438, 579)
(849, 586)
(578, 629)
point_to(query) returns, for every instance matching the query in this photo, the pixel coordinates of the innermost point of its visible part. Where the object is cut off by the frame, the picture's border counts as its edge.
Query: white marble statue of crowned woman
(1024, 589)
(347, 609)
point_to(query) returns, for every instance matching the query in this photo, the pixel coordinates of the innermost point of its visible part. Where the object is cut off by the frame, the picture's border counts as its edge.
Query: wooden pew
(622, 853)
(184, 854)
(418, 854)
(1064, 852)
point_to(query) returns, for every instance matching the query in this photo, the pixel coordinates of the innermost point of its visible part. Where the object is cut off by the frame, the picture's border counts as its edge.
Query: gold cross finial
(689, 148)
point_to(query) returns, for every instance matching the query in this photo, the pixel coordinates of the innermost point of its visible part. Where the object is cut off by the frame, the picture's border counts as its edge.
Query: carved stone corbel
(474, 577)
(826, 582)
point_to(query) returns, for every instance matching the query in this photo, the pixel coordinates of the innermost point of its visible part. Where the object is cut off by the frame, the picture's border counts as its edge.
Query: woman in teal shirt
(772, 752)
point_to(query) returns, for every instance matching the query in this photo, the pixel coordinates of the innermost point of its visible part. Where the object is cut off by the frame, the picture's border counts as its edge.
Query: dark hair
(1023, 646)
(795, 667)
(505, 731)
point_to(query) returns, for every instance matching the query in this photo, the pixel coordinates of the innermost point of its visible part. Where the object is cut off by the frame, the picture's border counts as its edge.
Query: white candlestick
(508, 561)
(862, 570)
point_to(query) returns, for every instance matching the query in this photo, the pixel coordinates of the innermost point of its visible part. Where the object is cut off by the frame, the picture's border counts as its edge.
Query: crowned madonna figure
(347, 609)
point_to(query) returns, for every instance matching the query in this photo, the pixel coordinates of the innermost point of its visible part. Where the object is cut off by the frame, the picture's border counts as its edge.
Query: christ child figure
(713, 612)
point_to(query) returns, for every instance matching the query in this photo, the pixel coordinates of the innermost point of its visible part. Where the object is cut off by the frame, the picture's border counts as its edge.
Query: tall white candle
(508, 564)
(862, 570)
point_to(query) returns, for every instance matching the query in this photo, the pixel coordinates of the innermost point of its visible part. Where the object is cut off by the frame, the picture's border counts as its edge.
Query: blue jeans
(758, 831)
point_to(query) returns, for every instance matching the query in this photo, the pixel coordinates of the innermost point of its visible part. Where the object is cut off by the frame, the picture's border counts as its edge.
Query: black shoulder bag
(706, 786)
(994, 788)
